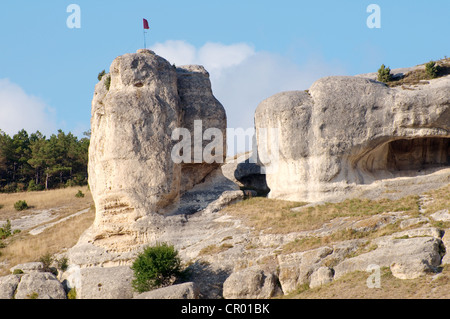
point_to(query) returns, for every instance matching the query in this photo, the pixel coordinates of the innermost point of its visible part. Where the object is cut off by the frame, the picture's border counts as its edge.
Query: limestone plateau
(344, 137)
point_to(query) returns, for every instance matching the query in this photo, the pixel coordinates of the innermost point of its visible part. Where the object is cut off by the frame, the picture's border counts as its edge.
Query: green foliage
(32, 186)
(432, 69)
(34, 162)
(108, 82)
(79, 194)
(33, 295)
(62, 263)
(5, 231)
(46, 261)
(156, 266)
(100, 75)
(20, 205)
(384, 74)
(72, 294)
(17, 272)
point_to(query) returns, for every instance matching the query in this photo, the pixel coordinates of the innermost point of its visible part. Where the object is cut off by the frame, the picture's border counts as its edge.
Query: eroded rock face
(132, 174)
(350, 131)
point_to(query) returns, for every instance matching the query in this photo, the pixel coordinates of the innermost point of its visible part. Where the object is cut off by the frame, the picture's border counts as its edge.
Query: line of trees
(34, 162)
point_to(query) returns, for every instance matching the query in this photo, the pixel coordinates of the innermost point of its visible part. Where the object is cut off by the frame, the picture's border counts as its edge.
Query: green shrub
(108, 82)
(72, 294)
(100, 75)
(20, 205)
(33, 187)
(79, 194)
(5, 231)
(155, 267)
(432, 69)
(384, 74)
(63, 263)
(46, 261)
(17, 272)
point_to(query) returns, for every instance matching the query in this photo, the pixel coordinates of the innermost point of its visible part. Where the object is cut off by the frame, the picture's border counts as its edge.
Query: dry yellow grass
(57, 198)
(24, 247)
(276, 216)
(354, 286)
(213, 249)
(27, 248)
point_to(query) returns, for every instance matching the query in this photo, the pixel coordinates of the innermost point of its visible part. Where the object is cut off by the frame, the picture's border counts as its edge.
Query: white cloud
(18, 110)
(242, 77)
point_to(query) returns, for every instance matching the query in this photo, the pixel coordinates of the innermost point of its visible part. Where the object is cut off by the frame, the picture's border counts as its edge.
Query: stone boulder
(347, 132)
(249, 174)
(28, 267)
(8, 286)
(296, 268)
(408, 258)
(321, 276)
(187, 290)
(39, 285)
(251, 283)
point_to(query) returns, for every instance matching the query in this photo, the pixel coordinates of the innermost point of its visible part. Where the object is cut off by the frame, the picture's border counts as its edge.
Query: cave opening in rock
(406, 157)
(418, 154)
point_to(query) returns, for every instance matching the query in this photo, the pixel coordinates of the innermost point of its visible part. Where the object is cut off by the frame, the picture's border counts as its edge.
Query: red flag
(146, 24)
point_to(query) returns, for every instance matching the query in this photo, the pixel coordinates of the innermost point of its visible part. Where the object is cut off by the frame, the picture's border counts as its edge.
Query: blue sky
(252, 49)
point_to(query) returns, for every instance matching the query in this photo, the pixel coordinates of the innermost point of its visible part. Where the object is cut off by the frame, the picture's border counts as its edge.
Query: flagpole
(145, 28)
(145, 43)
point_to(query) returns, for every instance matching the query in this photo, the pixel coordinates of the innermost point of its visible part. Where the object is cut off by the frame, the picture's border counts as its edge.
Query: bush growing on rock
(155, 267)
(384, 74)
(100, 75)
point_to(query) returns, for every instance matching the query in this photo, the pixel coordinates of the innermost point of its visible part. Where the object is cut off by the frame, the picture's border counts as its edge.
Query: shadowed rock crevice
(406, 158)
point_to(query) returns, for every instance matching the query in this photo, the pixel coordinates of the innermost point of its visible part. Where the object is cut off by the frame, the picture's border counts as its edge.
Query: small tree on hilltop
(432, 69)
(384, 74)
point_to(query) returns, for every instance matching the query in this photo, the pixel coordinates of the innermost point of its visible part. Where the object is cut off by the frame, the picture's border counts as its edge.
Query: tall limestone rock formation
(132, 174)
(346, 133)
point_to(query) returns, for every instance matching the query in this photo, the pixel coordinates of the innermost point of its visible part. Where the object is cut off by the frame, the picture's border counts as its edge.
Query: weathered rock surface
(442, 215)
(321, 276)
(105, 283)
(251, 283)
(188, 290)
(8, 286)
(249, 174)
(349, 132)
(28, 267)
(408, 258)
(132, 172)
(446, 242)
(40, 285)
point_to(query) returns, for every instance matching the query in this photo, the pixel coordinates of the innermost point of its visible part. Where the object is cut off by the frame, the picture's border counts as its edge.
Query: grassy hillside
(62, 203)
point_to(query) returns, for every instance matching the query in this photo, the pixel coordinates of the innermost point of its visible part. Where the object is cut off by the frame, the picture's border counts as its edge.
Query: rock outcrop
(346, 132)
(30, 281)
(133, 174)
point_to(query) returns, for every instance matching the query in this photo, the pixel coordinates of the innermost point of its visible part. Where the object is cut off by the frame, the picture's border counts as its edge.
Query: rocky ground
(228, 256)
